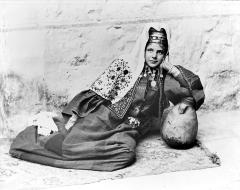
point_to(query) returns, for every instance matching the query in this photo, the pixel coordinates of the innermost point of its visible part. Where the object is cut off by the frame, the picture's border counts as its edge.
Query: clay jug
(179, 130)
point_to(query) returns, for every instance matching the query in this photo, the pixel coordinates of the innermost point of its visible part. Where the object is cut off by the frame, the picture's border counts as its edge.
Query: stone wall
(51, 50)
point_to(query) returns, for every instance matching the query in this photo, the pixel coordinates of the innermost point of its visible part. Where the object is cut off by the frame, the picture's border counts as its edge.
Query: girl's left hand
(166, 65)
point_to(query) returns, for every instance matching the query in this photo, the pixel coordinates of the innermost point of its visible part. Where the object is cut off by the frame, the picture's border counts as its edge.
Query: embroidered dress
(112, 115)
(98, 140)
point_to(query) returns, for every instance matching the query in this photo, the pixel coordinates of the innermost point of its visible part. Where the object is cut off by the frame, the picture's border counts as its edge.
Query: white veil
(135, 63)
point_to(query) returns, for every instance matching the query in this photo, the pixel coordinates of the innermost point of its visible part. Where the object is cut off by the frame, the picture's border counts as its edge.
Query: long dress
(99, 140)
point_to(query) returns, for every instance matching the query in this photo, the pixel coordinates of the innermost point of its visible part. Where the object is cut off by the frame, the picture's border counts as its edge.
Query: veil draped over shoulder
(120, 76)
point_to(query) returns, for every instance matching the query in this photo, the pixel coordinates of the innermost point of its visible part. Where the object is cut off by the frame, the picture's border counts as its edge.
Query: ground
(220, 132)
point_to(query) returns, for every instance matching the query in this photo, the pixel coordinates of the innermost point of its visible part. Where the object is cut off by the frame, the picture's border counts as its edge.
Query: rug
(153, 157)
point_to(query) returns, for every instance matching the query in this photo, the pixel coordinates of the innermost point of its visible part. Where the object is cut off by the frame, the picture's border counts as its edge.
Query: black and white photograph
(119, 94)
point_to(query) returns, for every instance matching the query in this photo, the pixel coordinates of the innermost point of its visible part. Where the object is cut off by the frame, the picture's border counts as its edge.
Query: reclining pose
(102, 125)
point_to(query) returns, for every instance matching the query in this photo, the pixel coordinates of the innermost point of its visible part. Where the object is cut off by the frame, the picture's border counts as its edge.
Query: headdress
(159, 37)
(120, 77)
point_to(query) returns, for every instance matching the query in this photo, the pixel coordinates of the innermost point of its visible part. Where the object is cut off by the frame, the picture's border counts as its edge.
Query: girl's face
(154, 55)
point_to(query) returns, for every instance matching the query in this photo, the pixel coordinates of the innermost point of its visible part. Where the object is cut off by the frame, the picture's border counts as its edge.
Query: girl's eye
(160, 52)
(149, 50)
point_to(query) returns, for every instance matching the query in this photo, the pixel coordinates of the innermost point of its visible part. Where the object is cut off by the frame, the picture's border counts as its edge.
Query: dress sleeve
(186, 86)
(83, 103)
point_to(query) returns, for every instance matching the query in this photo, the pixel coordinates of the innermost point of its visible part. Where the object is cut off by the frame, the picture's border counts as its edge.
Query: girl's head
(156, 48)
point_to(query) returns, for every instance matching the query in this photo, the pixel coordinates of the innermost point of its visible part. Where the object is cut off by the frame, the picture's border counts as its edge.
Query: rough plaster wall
(51, 51)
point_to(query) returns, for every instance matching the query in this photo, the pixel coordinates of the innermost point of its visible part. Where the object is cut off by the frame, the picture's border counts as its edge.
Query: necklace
(152, 76)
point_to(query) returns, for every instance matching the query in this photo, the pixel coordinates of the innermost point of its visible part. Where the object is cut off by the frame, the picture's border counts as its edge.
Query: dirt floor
(219, 131)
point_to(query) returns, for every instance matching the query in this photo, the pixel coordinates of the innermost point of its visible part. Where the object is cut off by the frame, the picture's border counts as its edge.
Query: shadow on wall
(20, 98)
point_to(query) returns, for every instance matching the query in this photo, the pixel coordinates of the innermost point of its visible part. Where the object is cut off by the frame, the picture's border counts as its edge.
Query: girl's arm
(182, 85)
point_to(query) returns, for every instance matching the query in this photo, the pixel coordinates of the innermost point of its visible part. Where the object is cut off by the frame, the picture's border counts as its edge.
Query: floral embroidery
(116, 78)
(120, 108)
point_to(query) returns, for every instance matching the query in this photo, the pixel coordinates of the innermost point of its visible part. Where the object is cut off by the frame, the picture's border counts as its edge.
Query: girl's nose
(154, 55)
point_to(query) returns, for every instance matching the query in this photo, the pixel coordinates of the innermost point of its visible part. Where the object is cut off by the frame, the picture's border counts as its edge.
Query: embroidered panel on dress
(115, 79)
(120, 108)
